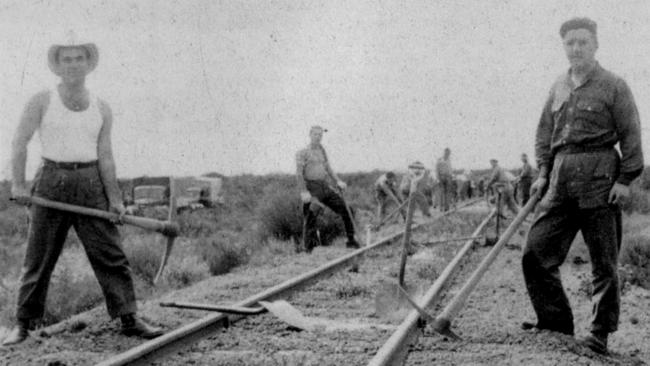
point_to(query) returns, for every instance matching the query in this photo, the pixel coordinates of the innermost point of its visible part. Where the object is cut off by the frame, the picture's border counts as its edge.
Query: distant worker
(385, 192)
(524, 180)
(315, 177)
(588, 111)
(501, 182)
(445, 177)
(420, 198)
(77, 168)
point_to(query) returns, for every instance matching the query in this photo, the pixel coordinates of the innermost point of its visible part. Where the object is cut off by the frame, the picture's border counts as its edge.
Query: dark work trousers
(419, 199)
(326, 195)
(507, 197)
(445, 187)
(576, 200)
(524, 190)
(48, 230)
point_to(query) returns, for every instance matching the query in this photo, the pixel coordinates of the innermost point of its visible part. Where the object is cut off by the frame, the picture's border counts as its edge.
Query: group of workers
(581, 182)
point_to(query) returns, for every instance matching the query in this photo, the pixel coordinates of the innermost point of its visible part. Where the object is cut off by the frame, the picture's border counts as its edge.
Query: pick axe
(169, 228)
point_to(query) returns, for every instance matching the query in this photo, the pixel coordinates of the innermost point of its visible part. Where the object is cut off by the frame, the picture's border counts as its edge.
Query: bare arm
(300, 169)
(29, 123)
(328, 167)
(106, 162)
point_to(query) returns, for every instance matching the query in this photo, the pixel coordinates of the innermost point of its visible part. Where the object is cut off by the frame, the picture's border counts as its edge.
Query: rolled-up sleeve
(626, 119)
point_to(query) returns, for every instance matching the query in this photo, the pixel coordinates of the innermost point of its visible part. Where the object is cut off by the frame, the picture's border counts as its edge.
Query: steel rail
(188, 334)
(394, 351)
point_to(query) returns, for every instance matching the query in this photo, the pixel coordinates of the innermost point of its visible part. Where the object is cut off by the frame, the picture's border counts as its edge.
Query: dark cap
(317, 127)
(416, 165)
(578, 23)
(493, 160)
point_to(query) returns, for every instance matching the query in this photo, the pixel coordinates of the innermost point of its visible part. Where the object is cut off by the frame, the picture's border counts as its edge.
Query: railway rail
(188, 335)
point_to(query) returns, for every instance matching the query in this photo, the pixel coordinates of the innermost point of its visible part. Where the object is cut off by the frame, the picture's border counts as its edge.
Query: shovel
(389, 299)
(282, 310)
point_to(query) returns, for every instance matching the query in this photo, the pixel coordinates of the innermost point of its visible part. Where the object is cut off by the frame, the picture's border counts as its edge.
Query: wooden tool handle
(456, 304)
(165, 227)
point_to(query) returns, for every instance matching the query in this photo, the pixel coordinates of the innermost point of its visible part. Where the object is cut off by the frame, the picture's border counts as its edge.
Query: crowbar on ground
(394, 350)
(442, 324)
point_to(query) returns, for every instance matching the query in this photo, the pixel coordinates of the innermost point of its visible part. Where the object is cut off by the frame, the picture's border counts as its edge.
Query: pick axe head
(171, 218)
(442, 326)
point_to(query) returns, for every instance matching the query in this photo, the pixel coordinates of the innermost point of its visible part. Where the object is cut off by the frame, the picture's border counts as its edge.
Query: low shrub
(144, 252)
(14, 221)
(639, 200)
(635, 255)
(188, 270)
(223, 251)
(280, 216)
(71, 293)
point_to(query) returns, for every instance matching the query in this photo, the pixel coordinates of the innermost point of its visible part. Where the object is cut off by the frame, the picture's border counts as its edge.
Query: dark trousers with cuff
(327, 196)
(576, 201)
(48, 230)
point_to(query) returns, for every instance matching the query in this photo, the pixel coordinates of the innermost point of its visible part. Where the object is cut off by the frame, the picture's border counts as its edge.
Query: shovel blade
(284, 311)
(391, 302)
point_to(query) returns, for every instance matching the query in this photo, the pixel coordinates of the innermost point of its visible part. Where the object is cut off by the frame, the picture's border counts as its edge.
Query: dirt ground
(488, 325)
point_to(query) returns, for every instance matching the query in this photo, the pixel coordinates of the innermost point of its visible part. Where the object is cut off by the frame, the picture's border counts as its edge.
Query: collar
(590, 75)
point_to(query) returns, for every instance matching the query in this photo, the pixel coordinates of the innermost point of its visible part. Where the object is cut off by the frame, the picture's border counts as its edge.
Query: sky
(233, 86)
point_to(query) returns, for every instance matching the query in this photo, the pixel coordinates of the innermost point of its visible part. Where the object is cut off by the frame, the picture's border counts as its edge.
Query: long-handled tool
(442, 323)
(406, 246)
(388, 217)
(169, 228)
(389, 299)
(171, 217)
(488, 240)
(281, 309)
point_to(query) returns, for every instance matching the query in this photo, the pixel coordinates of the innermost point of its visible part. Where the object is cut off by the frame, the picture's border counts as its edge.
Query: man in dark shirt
(589, 111)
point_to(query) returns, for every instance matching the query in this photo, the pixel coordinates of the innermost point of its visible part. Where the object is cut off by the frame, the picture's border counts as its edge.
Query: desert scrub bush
(635, 255)
(639, 200)
(71, 293)
(14, 221)
(223, 251)
(280, 216)
(186, 271)
(144, 253)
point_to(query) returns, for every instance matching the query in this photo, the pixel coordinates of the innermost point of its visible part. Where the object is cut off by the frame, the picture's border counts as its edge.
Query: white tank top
(68, 136)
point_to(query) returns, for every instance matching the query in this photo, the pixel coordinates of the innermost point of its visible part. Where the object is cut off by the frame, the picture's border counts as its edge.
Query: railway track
(326, 292)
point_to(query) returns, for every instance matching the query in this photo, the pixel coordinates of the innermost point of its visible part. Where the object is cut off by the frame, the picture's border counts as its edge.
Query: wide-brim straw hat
(91, 49)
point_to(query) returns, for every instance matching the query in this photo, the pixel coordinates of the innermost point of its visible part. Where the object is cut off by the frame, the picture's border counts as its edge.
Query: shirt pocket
(591, 114)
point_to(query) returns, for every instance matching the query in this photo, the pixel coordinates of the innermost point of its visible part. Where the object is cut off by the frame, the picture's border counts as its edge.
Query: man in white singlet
(78, 168)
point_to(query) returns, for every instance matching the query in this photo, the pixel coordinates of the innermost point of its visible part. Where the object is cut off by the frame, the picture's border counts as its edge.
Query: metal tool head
(173, 231)
(442, 326)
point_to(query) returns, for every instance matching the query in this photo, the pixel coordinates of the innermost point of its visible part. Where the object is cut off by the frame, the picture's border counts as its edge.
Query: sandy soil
(489, 324)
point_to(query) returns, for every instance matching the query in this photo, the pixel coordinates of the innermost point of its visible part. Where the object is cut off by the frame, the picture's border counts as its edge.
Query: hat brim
(53, 63)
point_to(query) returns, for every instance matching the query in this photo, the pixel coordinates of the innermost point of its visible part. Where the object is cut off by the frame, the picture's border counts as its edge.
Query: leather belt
(70, 165)
(576, 149)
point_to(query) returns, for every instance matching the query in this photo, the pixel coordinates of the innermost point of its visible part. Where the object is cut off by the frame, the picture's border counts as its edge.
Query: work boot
(18, 334)
(352, 243)
(539, 326)
(134, 326)
(596, 341)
